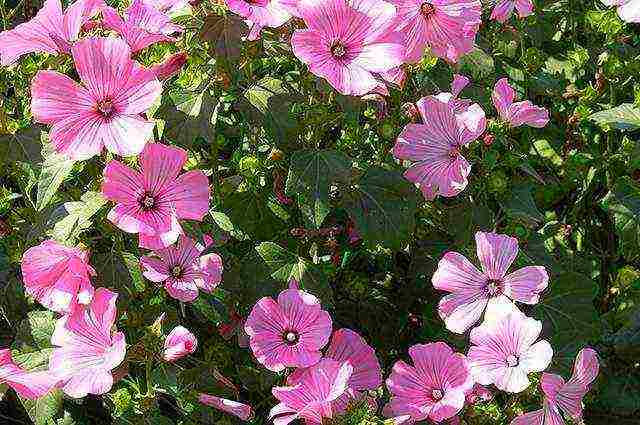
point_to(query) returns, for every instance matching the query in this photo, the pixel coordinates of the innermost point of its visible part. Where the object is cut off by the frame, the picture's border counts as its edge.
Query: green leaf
(627, 339)
(45, 409)
(25, 145)
(224, 33)
(121, 271)
(250, 215)
(623, 117)
(55, 169)
(35, 330)
(165, 379)
(521, 204)
(383, 205)
(477, 63)
(623, 204)
(311, 174)
(73, 218)
(188, 117)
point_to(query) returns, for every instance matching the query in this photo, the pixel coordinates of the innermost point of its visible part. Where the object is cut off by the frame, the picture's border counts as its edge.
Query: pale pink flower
(168, 6)
(434, 388)
(628, 10)
(469, 114)
(179, 343)
(447, 27)
(88, 348)
(170, 66)
(105, 112)
(504, 8)
(473, 291)
(142, 25)
(289, 332)
(434, 147)
(31, 385)
(505, 351)
(240, 410)
(151, 201)
(50, 31)
(565, 397)
(260, 14)
(58, 277)
(519, 113)
(348, 42)
(183, 269)
(311, 396)
(395, 76)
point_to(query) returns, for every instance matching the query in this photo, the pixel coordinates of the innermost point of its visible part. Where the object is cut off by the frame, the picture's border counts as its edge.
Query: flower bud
(178, 344)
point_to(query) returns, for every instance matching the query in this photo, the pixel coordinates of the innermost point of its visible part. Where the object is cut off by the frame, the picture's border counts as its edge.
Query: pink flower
(168, 6)
(183, 269)
(260, 14)
(170, 66)
(519, 113)
(469, 114)
(142, 26)
(478, 394)
(311, 395)
(434, 147)
(87, 348)
(347, 42)
(505, 351)
(151, 201)
(178, 344)
(290, 332)
(104, 113)
(628, 10)
(57, 276)
(473, 291)
(448, 27)
(50, 31)
(566, 397)
(241, 410)
(504, 8)
(31, 385)
(434, 388)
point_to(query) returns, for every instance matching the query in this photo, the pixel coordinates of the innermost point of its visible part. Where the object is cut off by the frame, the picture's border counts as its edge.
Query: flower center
(454, 152)
(493, 287)
(291, 337)
(512, 360)
(427, 10)
(176, 271)
(338, 49)
(106, 108)
(437, 394)
(147, 202)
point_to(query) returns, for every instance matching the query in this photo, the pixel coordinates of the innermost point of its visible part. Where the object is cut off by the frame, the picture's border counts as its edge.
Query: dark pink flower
(88, 348)
(505, 351)
(260, 14)
(50, 31)
(31, 385)
(448, 27)
(240, 410)
(105, 112)
(311, 395)
(289, 332)
(142, 26)
(179, 343)
(235, 326)
(58, 277)
(473, 291)
(561, 396)
(170, 66)
(519, 113)
(348, 42)
(183, 269)
(504, 8)
(151, 201)
(434, 388)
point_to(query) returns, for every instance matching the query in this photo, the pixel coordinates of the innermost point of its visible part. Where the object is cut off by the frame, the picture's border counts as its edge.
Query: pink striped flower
(447, 27)
(348, 43)
(151, 201)
(31, 385)
(434, 388)
(179, 343)
(50, 31)
(504, 8)
(240, 410)
(183, 269)
(519, 113)
(260, 14)
(561, 396)
(289, 332)
(492, 289)
(105, 112)
(505, 351)
(469, 114)
(311, 395)
(434, 148)
(87, 347)
(58, 277)
(142, 26)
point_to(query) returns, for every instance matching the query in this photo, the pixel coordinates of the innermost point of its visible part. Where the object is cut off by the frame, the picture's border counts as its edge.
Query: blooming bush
(319, 211)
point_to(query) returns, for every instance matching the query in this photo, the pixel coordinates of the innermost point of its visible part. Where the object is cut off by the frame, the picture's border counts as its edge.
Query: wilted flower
(519, 113)
(241, 410)
(58, 277)
(50, 31)
(505, 351)
(183, 269)
(104, 114)
(473, 291)
(289, 332)
(434, 388)
(504, 8)
(31, 385)
(179, 343)
(87, 349)
(151, 201)
(170, 66)
(260, 14)
(478, 394)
